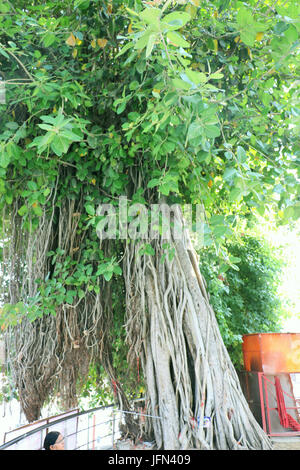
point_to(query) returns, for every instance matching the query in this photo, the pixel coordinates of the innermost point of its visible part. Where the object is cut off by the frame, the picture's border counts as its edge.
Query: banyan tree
(116, 117)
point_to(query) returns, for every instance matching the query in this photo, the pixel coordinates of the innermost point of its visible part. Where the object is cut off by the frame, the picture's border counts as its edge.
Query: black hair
(50, 439)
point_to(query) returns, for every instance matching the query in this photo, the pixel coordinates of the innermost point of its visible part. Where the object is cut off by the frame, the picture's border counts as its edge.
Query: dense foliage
(246, 300)
(207, 114)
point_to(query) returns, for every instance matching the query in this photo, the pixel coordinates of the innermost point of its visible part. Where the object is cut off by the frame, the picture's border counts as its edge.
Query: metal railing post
(88, 439)
(113, 430)
(94, 430)
(262, 403)
(267, 405)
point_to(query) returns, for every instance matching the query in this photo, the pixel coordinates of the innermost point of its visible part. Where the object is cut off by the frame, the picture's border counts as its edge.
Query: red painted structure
(269, 361)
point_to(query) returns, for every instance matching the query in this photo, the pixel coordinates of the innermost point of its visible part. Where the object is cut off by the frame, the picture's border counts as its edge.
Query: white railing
(94, 429)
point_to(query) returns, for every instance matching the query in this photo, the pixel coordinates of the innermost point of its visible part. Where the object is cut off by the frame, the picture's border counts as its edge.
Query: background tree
(155, 101)
(245, 300)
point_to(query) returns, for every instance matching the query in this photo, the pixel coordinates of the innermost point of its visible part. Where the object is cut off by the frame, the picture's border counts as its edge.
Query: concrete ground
(279, 443)
(286, 443)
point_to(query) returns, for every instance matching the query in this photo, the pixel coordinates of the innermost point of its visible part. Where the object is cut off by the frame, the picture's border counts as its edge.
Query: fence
(94, 429)
(272, 399)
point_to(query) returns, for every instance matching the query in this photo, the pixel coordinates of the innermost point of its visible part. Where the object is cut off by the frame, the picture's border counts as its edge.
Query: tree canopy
(203, 99)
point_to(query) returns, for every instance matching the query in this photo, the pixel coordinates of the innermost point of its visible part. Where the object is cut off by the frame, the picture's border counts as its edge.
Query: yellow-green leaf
(71, 41)
(101, 42)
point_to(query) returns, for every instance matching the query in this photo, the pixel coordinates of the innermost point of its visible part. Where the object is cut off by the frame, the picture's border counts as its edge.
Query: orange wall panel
(272, 353)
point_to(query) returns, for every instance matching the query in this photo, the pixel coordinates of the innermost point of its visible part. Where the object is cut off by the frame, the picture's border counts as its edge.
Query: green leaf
(217, 220)
(291, 10)
(101, 269)
(248, 27)
(151, 42)
(124, 49)
(288, 213)
(32, 185)
(175, 20)
(2, 188)
(23, 210)
(108, 275)
(37, 210)
(212, 131)
(177, 39)
(143, 40)
(60, 145)
(14, 150)
(81, 293)
(70, 135)
(235, 195)
(12, 125)
(117, 270)
(49, 119)
(4, 157)
(4, 53)
(41, 142)
(165, 189)
(132, 12)
(132, 87)
(241, 154)
(219, 231)
(152, 183)
(248, 37)
(4, 7)
(195, 129)
(196, 77)
(82, 4)
(49, 39)
(229, 173)
(291, 34)
(90, 209)
(101, 224)
(46, 127)
(178, 83)
(121, 108)
(216, 75)
(244, 17)
(147, 249)
(208, 113)
(150, 15)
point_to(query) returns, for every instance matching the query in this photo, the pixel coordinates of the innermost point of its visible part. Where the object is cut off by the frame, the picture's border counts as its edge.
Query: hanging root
(192, 385)
(52, 352)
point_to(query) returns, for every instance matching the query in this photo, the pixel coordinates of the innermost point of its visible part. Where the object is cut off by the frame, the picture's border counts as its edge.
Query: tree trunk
(193, 389)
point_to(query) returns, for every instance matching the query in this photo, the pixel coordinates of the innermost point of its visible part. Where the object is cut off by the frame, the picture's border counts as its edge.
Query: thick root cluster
(193, 388)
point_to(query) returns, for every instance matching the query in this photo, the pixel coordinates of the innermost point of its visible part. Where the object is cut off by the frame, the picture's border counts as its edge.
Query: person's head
(54, 441)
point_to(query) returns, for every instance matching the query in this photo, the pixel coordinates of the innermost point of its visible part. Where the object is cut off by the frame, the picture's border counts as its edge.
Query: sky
(290, 279)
